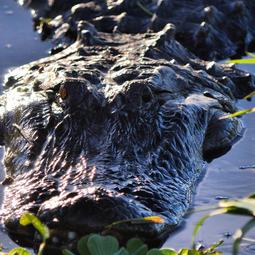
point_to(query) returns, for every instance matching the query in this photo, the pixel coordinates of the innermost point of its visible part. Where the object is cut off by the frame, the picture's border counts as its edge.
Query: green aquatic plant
(250, 60)
(27, 219)
(241, 112)
(149, 219)
(242, 207)
(95, 244)
(18, 251)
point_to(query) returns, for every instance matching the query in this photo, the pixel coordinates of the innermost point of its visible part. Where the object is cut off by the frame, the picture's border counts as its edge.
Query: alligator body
(211, 29)
(115, 126)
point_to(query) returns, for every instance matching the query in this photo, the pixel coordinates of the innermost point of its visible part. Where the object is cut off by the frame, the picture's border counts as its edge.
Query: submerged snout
(96, 213)
(74, 215)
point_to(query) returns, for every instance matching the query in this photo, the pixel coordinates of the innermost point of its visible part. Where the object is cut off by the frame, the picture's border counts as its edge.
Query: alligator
(211, 29)
(113, 125)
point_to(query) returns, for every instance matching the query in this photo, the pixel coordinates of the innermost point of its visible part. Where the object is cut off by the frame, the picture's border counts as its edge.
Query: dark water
(20, 45)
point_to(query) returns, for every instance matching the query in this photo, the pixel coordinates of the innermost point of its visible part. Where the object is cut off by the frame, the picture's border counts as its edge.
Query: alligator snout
(73, 214)
(82, 214)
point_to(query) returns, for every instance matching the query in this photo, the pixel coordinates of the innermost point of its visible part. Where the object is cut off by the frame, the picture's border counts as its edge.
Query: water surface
(19, 45)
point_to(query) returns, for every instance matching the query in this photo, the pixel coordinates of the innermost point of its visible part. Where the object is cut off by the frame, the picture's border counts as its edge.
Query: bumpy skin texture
(212, 29)
(114, 127)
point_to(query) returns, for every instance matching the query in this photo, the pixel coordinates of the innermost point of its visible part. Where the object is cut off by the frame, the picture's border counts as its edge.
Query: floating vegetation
(95, 244)
(242, 207)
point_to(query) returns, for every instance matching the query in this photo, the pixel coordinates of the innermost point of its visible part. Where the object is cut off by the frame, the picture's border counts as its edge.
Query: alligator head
(112, 128)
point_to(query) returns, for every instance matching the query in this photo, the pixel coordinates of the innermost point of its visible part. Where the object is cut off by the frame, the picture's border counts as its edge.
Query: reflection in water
(20, 45)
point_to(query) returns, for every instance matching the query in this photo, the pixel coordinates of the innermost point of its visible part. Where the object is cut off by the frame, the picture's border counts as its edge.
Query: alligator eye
(63, 93)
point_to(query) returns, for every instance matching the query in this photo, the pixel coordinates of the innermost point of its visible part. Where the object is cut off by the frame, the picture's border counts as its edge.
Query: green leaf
(252, 94)
(168, 252)
(242, 61)
(102, 245)
(19, 251)
(240, 234)
(190, 252)
(122, 251)
(203, 219)
(145, 220)
(239, 113)
(250, 54)
(82, 245)
(29, 218)
(214, 246)
(67, 252)
(41, 248)
(154, 252)
(184, 252)
(136, 247)
(245, 206)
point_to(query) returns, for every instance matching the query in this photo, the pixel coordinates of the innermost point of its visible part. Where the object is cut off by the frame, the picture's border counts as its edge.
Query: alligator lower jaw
(63, 239)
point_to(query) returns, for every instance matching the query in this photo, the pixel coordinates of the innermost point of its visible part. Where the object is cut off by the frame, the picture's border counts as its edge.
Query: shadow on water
(20, 45)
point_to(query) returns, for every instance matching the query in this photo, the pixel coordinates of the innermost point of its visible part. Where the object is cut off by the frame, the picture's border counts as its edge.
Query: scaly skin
(114, 127)
(211, 29)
